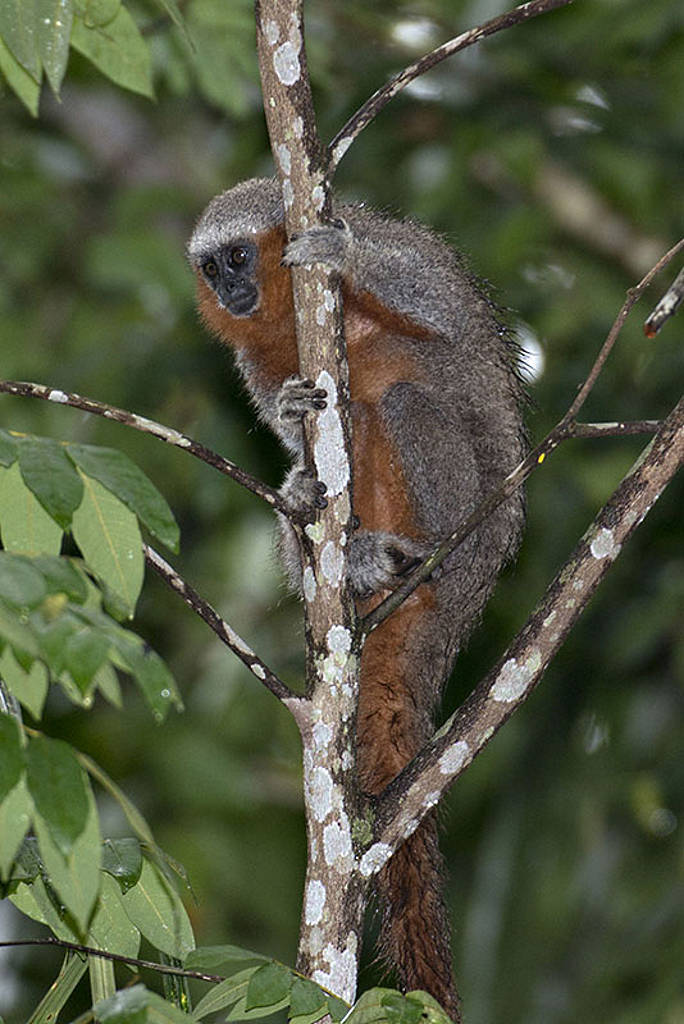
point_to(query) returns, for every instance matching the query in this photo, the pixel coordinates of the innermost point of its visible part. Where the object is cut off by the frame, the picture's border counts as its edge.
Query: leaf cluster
(36, 37)
(58, 614)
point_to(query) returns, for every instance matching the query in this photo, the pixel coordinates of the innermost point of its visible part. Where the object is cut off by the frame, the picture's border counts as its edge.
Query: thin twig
(366, 113)
(116, 957)
(633, 296)
(158, 430)
(667, 307)
(223, 631)
(564, 430)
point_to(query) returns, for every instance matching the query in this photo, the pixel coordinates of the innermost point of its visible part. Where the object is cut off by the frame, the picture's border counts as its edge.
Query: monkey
(436, 401)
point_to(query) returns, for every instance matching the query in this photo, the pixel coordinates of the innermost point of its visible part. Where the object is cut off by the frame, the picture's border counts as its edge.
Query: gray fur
(458, 430)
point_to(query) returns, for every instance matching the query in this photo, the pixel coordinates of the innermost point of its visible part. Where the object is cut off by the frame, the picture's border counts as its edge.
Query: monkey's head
(229, 245)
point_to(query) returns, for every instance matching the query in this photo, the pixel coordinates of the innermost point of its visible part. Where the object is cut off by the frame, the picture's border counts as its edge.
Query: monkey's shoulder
(412, 271)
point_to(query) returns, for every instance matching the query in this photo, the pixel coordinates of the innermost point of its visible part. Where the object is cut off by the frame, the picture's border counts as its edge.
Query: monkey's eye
(210, 268)
(238, 256)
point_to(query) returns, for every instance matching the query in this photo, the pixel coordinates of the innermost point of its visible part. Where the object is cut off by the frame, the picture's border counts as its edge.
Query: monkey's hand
(296, 397)
(378, 560)
(330, 245)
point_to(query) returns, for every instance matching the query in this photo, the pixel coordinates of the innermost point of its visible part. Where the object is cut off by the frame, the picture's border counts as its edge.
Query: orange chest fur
(379, 353)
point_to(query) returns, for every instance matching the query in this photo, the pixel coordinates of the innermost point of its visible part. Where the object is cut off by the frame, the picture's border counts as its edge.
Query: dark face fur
(230, 272)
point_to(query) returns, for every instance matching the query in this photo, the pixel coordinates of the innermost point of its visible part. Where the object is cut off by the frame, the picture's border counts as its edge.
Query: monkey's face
(230, 271)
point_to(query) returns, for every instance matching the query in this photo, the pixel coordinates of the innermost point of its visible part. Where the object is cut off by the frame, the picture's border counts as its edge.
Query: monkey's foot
(302, 492)
(378, 560)
(329, 245)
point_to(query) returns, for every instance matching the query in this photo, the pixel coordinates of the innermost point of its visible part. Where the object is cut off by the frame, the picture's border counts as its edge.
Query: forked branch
(408, 798)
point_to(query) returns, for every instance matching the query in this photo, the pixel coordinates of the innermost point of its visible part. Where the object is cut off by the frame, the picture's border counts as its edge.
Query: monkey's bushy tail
(400, 679)
(415, 929)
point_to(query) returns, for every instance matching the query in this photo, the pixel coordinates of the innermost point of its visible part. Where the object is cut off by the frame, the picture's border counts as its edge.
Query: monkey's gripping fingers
(329, 245)
(297, 396)
(378, 560)
(302, 492)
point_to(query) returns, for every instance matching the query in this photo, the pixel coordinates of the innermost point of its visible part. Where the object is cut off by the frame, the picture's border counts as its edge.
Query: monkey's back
(457, 418)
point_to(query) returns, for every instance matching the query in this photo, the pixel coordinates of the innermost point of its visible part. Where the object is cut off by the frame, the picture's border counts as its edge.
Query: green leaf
(133, 815)
(70, 973)
(97, 12)
(305, 997)
(19, 80)
(76, 877)
(21, 584)
(337, 1008)
(62, 577)
(431, 1010)
(26, 527)
(122, 859)
(225, 994)
(401, 1010)
(110, 927)
(18, 29)
(29, 686)
(15, 819)
(54, 19)
(101, 978)
(28, 865)
(388, 1005)
(34, 900)
(139, 1006)
(153, 905)
(149, 671)
(51, 476)
(240, 1011)
(122, 477)
(58, 787)
(269, 985)
(84, 653)
(107, 682)
(16, 633)
(8, 449)
(11, 754)
(107, 533)
(369, 1009)
(221, 959)
(117, 49)
(307, 1018)
(173, 11)
(53, 638)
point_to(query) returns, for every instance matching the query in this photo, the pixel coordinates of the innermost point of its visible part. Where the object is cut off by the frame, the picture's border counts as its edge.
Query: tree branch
(565, 429)
(330, 940)
(118, 958)
(223, 631)
(158, 430)
(372, 107)
(625, 428)
(667, 307)
(422, 783)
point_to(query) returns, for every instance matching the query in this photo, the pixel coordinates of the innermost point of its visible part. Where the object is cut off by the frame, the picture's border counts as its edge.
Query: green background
(553, 156)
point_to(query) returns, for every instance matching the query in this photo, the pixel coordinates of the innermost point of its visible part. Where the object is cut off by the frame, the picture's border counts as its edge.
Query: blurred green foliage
(564, 839)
